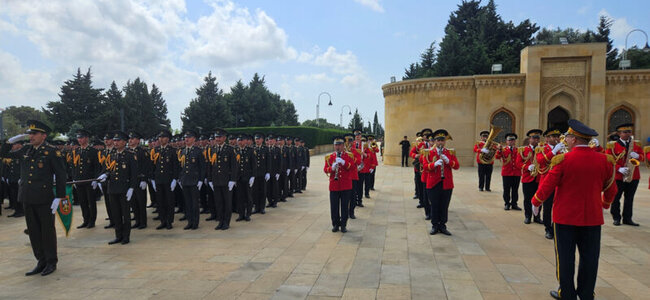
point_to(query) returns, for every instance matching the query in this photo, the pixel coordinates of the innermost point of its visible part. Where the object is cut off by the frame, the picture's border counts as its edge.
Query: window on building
(505, 120)
(620, 115)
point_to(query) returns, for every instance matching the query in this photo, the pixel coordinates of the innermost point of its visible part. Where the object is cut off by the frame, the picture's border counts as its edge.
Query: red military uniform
(578, 178)
(647, 160)
(619, 152)
(434, 176)
(524, 160)
(509, 158)
(543, 158)
(344, 181)
(477, 149)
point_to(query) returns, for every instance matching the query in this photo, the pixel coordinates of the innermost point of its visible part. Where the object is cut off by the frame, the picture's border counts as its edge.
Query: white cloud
(584, 9)
(372, 4)
(319, 77)
(344, 64)
(22, 87)
(620, 28)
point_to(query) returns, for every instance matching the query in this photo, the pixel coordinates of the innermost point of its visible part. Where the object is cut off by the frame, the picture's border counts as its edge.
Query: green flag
(65, 209)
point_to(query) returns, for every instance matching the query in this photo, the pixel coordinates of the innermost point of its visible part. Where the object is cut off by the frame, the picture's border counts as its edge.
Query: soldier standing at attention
(85, 165)
(165, 172)
(40, 162)
(102, 156)
(275, 171)
(247, 167)
(224, 168)
(338, 166)
(262, 174)
(583, 183)
(510, 173)
(11, 175)
(139, 204)
(484, 170)
(286, 169)
(192, 172)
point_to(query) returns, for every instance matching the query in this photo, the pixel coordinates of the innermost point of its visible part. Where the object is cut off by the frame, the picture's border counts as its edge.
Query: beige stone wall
(630, 88)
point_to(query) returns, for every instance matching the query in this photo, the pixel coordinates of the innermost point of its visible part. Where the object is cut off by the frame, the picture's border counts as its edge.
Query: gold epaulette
(611, 159)
(539, 149)
(638, 143)
(556, 160)
(611, 144)
(452, 151)
(327, 157)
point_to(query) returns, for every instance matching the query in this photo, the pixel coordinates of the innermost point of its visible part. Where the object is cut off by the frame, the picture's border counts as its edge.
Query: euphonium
(631, 163)
(487, 158)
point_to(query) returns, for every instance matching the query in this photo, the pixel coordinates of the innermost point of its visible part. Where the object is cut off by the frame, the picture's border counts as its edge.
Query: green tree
(110, 118)
(321, 124)
(138, 108)
(209, 110)
(288, 116)
(375, 125)
(356, 123)
(602, 36)
(639, 59)
(14, 119)
(159, 108)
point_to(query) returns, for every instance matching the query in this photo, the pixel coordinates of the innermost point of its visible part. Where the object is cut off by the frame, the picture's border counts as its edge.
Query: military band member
(354, 174)
(262, 173)
(510, 172)
(222, 178)
(417, 168)
(246, 178)
(429, 144)
(338, 166)
(374, 150)
(40, 162)
(551, 148)
(578, 179)
(139, 203)
(12, 178)
(367, 169)
(275, 171)
(85, 165)
(440, 182)
(165, 172)
(526, 161)
(121, 174)
(484, 169)
(624, 150)
(192, 176)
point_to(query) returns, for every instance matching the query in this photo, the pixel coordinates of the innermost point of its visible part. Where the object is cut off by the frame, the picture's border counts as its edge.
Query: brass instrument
(646, 150)
(486, 158)
(631, 163)
(592, 143)
(566, 146)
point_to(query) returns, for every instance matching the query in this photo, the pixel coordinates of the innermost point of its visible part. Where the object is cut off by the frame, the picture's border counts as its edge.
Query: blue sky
(348, 48)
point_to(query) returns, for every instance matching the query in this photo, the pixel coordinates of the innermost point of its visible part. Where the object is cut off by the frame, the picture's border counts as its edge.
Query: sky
(347, 48)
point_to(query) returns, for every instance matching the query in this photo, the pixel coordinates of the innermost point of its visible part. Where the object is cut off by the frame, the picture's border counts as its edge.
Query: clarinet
(336, 173)
(442, 167)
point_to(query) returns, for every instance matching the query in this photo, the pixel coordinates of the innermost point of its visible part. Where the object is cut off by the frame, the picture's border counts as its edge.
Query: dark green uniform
(139, 204)
(191, 173)
(85, 165)
(224, 169)
(275, 171)
(122, 170)
(247, 168)
(260, 186)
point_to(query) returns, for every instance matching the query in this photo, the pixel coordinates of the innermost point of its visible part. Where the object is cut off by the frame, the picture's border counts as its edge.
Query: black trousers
(354, 196)
(258, 193)
(484, 176)
(627, 189)
(587, 240)
(87, 202)
(303, 180)
(152, 194)
(107, 202)
(426, 202)
(284, 185)
(439, 199)
(191, 197)
(13, 198)
(357, 195)
(298, 181)
(418, 185)
(292, 182)
(42, 233)
(203, 196)
(121, 215)
(372, 178)
(165, 199)
(529, 189)
(405, 158)
(178, 198)
(273, 192)
(547, 209)
(243, 194)
(339, 207)
(139, 205)
(511, 190)
(364, 180)
(223, 204)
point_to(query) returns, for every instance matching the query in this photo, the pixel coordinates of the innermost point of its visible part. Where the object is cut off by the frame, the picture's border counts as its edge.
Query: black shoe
(298, 191)
(240, 219)
(537, 220)
(255, 212)
(125, 241)
(18, 215)
(274, 205)
(480, 189)
(445, 231)
(282, 200)
(415, 197)
(195, 227)
(211, 218)
(161, 226)
(26, 231)
(109, 226)
(343, 229)
(515, 207)
(115, 241)
(204, 211)
(183, 218)
(49, 269)
(549, 235)
(187, 227)
(506, 207)
(433, 231)
(367, 195)
(38, 269)
(420, 206)
(630, 222)
(617, 222)
(219, 227)
(554, 294)
(156, 218)
(225, 227)
(248, 219)
(107, 219)
(150, 205)
(352, 216)
(527, 220)
(335, 229)
(83, 225)
(360, 204)
(263, 212)
(372, 189)
(136, 225)
(142, 226)
(169, 226)
(488, 190)
(428, 218)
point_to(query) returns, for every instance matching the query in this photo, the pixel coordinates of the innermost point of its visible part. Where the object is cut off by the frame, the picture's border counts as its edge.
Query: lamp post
(625, 63)
(349, 113)
(318, 106)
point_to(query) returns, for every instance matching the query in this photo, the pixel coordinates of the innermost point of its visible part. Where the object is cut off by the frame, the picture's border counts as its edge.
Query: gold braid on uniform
(612, 161)
(556, 160)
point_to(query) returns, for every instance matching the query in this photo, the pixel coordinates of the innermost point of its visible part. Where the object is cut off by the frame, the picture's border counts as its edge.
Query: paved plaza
(290, 253)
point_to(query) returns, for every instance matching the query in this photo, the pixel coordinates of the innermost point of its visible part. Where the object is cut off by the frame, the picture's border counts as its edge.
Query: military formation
(180, 176)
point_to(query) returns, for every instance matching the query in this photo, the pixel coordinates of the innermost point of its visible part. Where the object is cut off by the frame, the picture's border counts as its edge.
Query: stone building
(555, 83)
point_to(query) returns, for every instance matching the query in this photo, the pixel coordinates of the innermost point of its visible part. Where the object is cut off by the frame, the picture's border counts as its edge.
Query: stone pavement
(290, 253)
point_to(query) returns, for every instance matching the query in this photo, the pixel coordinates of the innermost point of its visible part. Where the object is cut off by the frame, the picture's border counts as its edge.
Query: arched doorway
(620, 115)
(505, 120)
(558, 118)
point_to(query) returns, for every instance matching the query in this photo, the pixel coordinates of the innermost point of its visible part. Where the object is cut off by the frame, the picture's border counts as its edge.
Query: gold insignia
(40, 165)
(47, 152)
(123, 166)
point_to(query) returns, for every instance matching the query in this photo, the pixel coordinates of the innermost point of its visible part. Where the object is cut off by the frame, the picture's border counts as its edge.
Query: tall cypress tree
(209, 110)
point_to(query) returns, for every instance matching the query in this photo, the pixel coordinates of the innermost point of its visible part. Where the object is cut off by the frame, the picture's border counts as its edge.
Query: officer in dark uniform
(102, 156)
(285, 153)
(300, 165)
(40, 162)
(11, 175)
(121, 174)
(192, 175)
(293, 166)
(139, 204)
(152, 143)
(179, 143)
(204, 191)
(224, 168)
(165, 172)
(85, 165)
(247, 168)
(306, 156)
(275, 169)
(262, 173)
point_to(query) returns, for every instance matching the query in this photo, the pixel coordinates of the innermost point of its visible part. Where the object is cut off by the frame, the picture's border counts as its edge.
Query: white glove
(302, 168)
(17, 138)
(623, 170)
(143, 185)
(438, 163)
(445, 158)
(340, 160)
(531, 168)
(536, 210)
(153, 184)
(306, 168)
(231, 184)
(595, 142)
(277, 176)
(129, 194)
(94, 184)
(211, 185)
(288, 171)
(372, 170)
(55, 205)
(102, 177)
(485, 150)
(74, 185)
(559, 147)
(251, 181)
(173, 185)
(634, 155)
(199, 184)
(335, 166)
(267, 176)
(295, 171)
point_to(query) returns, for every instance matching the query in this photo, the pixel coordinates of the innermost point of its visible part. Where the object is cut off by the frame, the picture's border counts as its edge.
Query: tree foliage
(321, 124)
(14, 119)
(356, 122)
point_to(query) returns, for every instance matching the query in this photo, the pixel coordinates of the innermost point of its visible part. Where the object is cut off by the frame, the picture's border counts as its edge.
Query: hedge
(311, 135)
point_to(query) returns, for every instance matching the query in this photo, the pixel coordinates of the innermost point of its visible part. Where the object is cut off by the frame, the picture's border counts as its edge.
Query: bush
(311, 135)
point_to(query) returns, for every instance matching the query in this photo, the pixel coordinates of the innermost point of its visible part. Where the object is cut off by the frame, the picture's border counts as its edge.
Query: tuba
(486, 158)
(630, 163)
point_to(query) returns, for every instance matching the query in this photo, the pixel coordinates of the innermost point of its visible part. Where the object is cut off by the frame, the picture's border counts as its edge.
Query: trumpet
(563, 141)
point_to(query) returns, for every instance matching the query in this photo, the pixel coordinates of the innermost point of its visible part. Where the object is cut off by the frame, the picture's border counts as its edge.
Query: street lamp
(349, 113)
(625, 63)
(318, 106)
